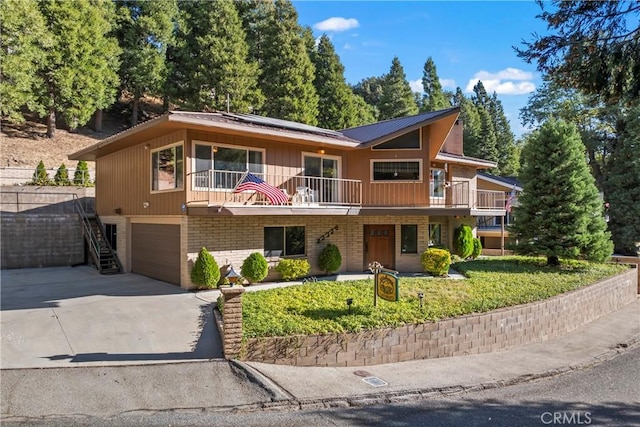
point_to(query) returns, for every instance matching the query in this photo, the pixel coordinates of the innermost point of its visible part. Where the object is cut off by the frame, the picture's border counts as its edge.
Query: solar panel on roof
(284, 124)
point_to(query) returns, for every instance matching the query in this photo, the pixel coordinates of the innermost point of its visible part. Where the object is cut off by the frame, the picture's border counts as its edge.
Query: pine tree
(470, 117)
(80, 71)
(559, 212)
(287, 71)
(336, 109)
(364, 113)
(434, 98)
(397, 98)
(623, 187)
(24, 40)
(212, 59)
(145, 29)
(81, 175)
(370, 90)
(505, 140)
(62, 176)
(40, 176)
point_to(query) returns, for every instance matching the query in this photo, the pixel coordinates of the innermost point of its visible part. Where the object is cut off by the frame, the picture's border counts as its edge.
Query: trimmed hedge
(291, 269)
(463, 241)
(205, 273)
(330, 258)
(477, 248)
(436, 261)
(254, 268)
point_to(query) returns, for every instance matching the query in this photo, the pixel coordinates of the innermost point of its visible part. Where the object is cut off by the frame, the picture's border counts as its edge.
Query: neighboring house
(492, 230)
(381, 192)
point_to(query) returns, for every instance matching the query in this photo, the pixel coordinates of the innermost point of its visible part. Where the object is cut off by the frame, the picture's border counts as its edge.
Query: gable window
(396, 170)
(229, 163)
(409, 239)
(435, 234)
(167, 168)
(284, 241)
(437, 183)
(408, 141)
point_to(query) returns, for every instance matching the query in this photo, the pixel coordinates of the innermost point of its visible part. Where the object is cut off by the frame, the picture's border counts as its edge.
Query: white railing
(216, 187)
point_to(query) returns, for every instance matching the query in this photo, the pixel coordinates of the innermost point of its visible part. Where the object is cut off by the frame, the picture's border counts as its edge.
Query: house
(493, 230)
(382, 192)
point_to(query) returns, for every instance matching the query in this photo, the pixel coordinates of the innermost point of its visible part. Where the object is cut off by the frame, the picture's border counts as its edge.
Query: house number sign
(385, 282)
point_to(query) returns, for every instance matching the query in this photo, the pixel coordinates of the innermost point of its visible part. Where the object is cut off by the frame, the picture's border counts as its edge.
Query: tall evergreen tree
(287, 71)
(24, 40)
(212, 55)
(80, 71)
(470, 116)
(559, 212)
(397, 98)
(505, 139)
(336, 109)
(145, 28)
(434, 98)
(370, 90)
(623, 187)
(364, 113)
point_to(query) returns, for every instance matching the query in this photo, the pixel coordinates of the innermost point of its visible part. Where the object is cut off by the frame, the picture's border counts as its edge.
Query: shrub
(463, 241)
(477, 248)
(81, 175)
(291, 269)
(62, 176)
(436, 261)
(205, 273)
(40, 176)
(254, 268)
(330, 258)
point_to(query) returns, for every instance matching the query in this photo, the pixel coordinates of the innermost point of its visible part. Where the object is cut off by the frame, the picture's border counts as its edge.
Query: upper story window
(408, 141)
(227, 162)
(167, 168)
(383, 170)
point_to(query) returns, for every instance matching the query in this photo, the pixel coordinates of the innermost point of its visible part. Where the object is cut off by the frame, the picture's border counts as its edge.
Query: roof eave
(498, 182)
(471, 161)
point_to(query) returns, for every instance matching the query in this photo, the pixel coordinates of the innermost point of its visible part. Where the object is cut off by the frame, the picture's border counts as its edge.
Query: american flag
(510, 200)
(254, 183)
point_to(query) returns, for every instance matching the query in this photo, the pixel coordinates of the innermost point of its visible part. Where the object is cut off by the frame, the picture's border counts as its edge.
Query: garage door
(155, 251)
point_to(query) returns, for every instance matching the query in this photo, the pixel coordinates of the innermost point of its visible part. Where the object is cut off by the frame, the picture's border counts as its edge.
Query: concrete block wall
(46, 199)
(477, 333)
(41, 240)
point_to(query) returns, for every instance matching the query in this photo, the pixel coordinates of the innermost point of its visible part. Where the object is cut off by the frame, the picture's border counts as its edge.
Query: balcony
(215, 188)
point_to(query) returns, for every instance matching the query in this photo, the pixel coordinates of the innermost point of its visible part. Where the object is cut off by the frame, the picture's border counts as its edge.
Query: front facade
(383, 192)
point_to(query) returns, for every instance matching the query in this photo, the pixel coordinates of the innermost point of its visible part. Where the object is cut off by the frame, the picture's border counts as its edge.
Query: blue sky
(469, 41)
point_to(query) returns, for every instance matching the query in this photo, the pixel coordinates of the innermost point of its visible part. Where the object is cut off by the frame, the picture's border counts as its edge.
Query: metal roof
(376, 131)
(510, 181)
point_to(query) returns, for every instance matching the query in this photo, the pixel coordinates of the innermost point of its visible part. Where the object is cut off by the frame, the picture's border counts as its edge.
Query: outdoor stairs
(102, 254)
(106, 260)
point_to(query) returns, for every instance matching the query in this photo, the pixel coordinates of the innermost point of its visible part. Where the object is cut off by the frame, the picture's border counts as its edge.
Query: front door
(379, 245)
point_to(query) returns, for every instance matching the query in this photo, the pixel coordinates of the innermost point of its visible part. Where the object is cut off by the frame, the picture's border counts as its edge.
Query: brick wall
(478, 333)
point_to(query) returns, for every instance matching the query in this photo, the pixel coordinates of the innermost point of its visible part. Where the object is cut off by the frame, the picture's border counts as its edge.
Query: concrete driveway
(74, 316)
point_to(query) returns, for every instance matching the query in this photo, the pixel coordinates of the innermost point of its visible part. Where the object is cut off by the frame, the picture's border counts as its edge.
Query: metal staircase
(102, 254)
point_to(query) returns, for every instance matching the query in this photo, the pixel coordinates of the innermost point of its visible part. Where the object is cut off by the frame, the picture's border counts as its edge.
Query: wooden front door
(379, 245)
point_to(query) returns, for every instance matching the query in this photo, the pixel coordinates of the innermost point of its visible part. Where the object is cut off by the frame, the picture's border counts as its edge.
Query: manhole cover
(374, 381)
(362, 373)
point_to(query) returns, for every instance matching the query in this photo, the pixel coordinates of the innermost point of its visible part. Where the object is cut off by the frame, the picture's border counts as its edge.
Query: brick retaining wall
(476, 333)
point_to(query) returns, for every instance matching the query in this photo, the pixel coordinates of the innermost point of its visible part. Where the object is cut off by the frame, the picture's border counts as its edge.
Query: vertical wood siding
(123, 180)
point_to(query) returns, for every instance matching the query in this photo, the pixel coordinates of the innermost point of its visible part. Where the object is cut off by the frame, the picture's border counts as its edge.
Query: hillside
(24, 145)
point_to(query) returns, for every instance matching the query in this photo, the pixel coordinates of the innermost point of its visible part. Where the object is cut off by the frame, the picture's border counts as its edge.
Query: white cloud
(510, 81)
(416, 85)
(348, 46)
(337, 24)
(448, 83)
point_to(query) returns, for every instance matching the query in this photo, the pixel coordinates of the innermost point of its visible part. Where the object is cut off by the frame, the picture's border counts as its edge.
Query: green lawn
(491, 283)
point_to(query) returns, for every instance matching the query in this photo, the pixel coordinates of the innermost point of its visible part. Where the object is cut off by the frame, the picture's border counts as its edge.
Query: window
(409, 141)
(435, 234)
(437, 183)
(409, 238)
(396, 171)
(229, 163)
(167, 168)
(284, 241)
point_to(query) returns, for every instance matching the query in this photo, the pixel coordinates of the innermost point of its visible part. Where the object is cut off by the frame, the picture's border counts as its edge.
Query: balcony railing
(217, 187)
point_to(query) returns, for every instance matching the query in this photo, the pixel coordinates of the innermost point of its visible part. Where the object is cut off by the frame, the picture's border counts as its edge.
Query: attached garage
(155, 251)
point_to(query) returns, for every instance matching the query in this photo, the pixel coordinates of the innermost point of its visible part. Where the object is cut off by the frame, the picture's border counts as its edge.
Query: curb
(283, 400)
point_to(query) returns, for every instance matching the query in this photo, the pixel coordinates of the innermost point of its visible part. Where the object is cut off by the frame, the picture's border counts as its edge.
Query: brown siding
(123, 180)
(155, 251)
